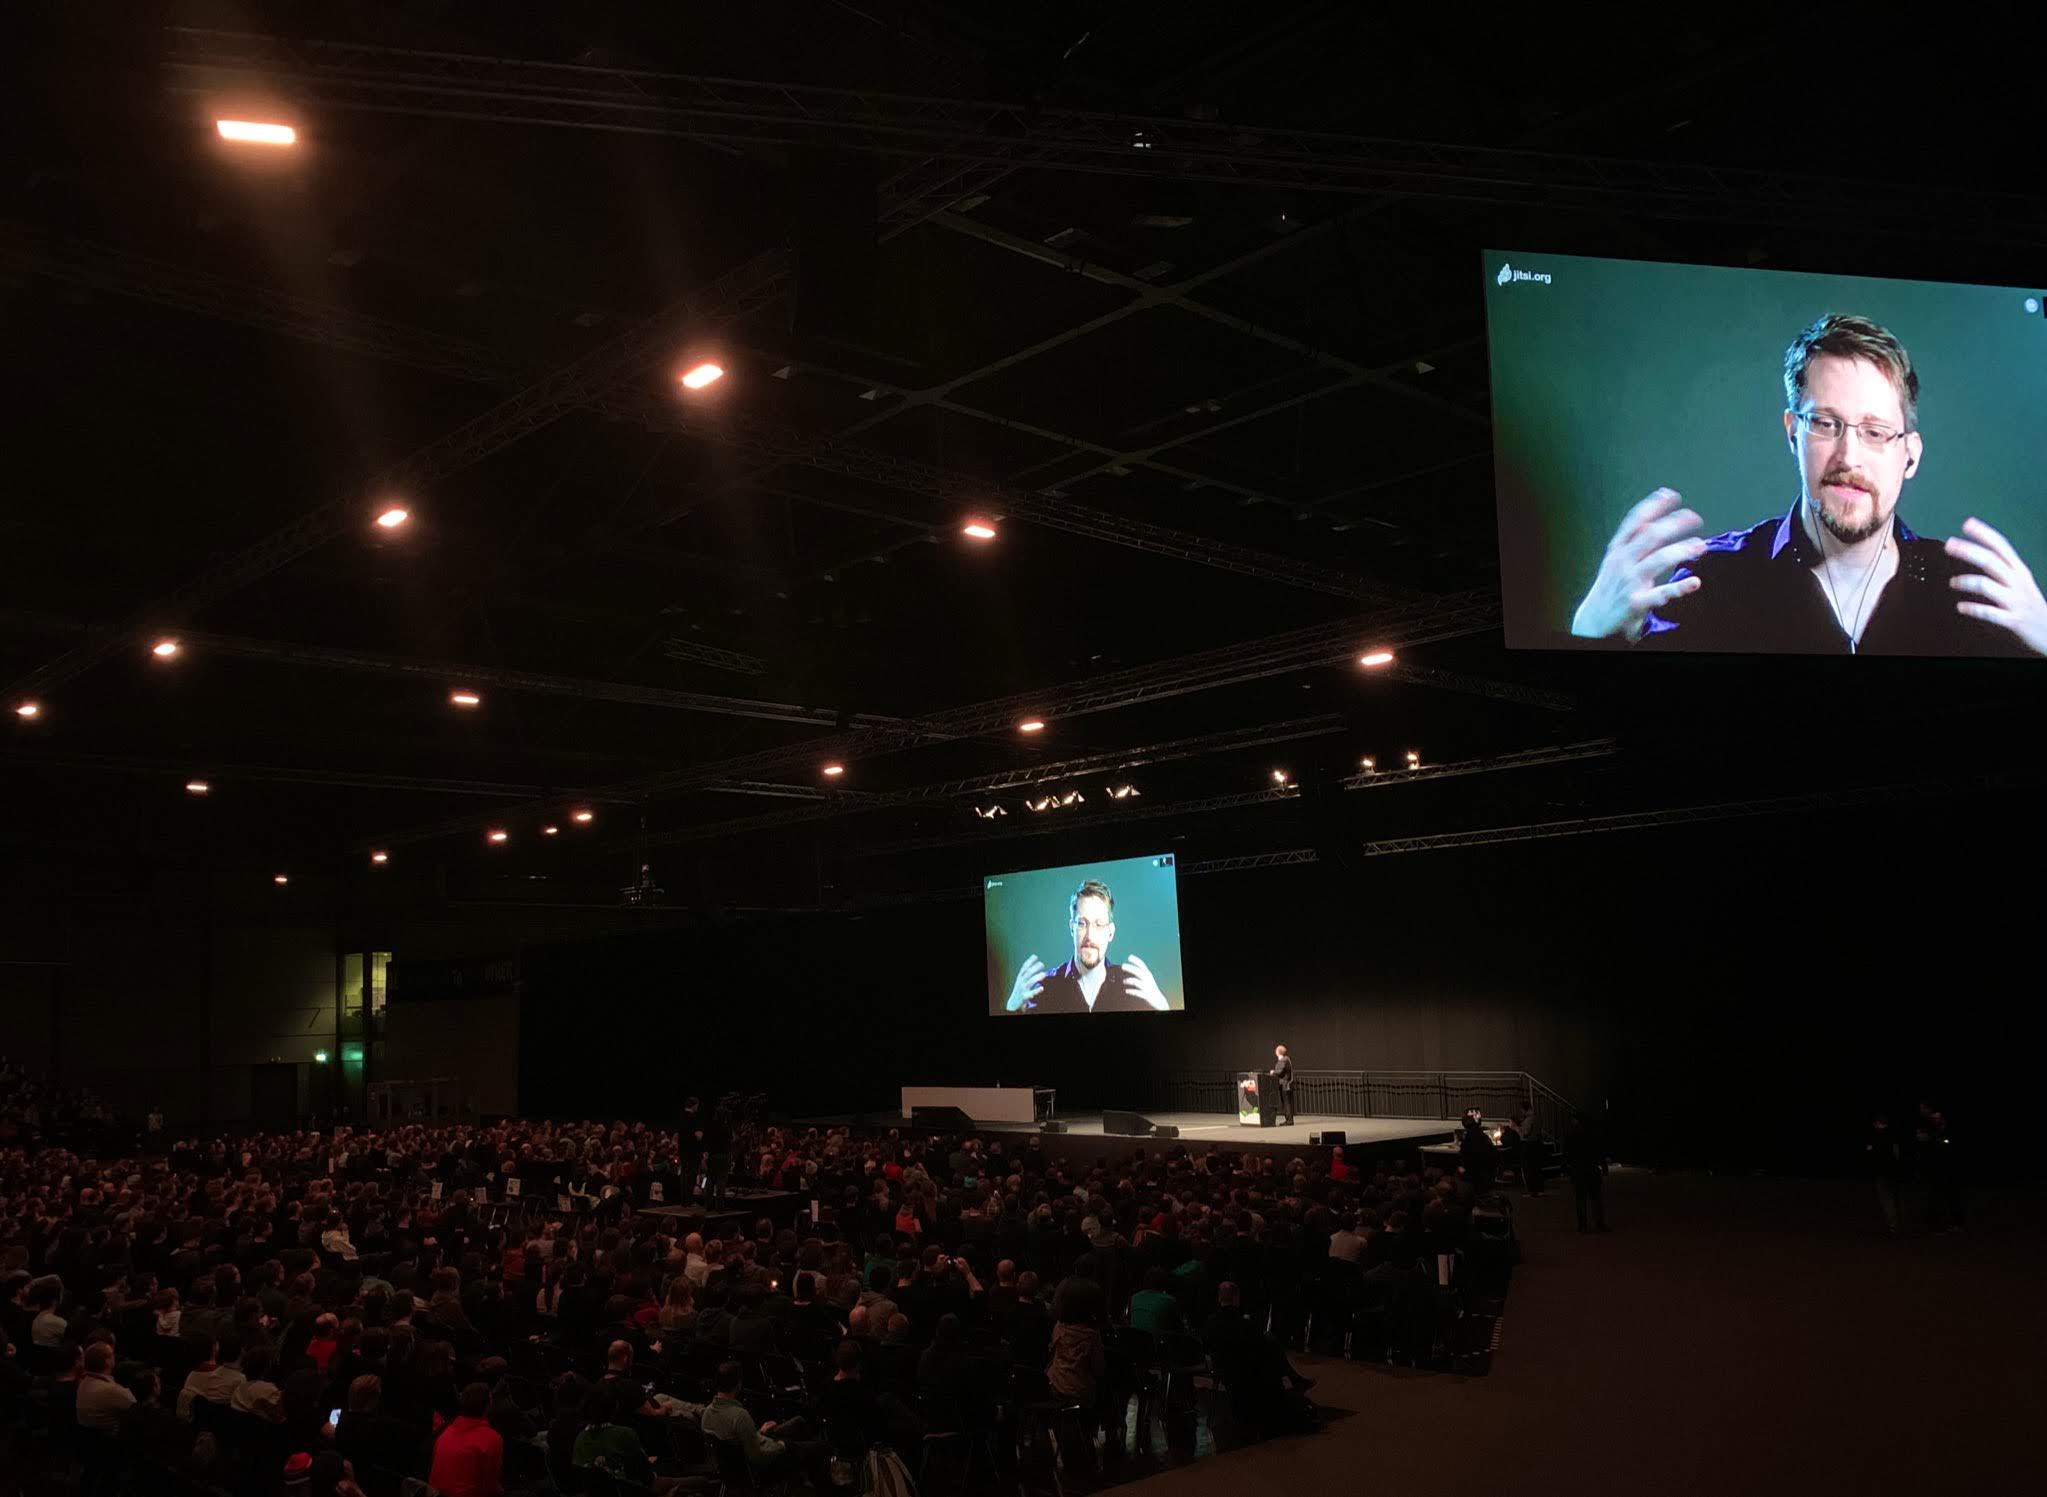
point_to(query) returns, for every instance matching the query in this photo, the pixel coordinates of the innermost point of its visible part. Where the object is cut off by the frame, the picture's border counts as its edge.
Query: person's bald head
(618, 1356)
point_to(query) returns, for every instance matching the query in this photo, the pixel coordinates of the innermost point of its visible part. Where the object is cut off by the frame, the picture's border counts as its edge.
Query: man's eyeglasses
(1830, 429)
(1099, 927)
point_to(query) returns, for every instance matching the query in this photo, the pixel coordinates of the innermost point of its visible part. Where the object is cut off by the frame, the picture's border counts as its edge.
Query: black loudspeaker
(1164, 1130)
(1332, 1136)
(942, 1117)
(1051, 1125)
(1126, 1125)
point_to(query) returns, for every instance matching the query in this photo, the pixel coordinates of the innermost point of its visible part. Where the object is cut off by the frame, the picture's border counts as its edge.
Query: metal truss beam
(601, 387)
(452, 673)
(1778, 805)
(337, 76)
(1565, 753)
(723, 660)
(1052, 822)
(1062, 772)
(1481, 686)
(1298, 649)
(226, 776)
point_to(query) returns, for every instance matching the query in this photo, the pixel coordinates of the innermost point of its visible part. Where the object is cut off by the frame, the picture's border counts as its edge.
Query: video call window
(1085, 938)
(1749, 461)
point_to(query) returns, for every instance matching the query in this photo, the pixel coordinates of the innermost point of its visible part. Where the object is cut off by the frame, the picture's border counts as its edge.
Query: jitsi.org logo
(1509, 273)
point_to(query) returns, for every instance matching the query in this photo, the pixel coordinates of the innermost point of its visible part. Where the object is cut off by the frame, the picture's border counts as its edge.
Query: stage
(1198, 1131)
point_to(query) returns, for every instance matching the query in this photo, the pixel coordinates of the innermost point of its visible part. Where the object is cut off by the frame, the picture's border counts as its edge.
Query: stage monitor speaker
(1331, 1136)
(1164, 1130)
(1126, 1125)
(1051, 1125)
(941, 1117)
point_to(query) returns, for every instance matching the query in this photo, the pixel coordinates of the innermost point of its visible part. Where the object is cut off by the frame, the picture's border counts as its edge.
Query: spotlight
(256, 133)
(1279, 777)
(1368, 764)
(28, 709)
(1414, 759)
(702, 375)
(1031, 725)
(978, 530)
(1071, 797)
(499, 835)
(465, 699)
(280, 879)
(380, 858)
(197, 787)
(833, 771)
(1375, 658)
(319, 1057)
(393, 517)
(583, 818)
(164, 649)
(550, 831)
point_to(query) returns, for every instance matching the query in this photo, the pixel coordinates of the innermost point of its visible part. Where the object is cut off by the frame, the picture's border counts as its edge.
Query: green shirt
(1154, 1310)
(615, 1447)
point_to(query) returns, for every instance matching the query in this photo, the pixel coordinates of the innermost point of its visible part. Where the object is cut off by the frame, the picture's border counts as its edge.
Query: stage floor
(1213, 1127)
(1200, 1129)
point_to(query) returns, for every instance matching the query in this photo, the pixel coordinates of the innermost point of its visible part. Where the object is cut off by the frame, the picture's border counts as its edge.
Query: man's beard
(1088, 962)
(1846, 531)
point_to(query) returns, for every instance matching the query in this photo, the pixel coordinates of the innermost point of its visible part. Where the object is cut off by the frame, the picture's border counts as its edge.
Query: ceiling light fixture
(1376, 658)
(393, 517)
(499, 835)
(702, 375)
(164, 649)
(28, 709)
(550, 831)
(380, 858)
(465, 699)
(197, 787)
(583, 818)
(280, 879)
(256, 133)
(1031, 725)
(833, 771)
(978, 530)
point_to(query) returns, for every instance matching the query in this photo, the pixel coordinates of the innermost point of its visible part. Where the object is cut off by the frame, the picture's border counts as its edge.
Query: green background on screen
(1029, 913)
(1623, 376)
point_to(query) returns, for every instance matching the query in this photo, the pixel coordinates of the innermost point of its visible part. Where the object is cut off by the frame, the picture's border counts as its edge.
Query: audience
(260, 1276)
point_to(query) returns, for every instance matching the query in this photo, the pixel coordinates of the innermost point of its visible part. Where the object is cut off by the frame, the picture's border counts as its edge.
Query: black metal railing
(1386, 1094)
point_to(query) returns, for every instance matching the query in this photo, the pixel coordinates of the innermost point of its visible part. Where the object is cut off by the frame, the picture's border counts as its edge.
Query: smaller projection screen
(1088, 938)
(1750, 461)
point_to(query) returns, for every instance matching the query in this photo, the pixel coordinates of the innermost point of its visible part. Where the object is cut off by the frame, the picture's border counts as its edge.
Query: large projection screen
(1830, 520)
(1085, 938)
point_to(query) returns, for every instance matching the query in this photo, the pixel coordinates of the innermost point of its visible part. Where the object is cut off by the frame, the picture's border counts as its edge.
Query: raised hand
(1030, 981)
(1655, 536)
(1139, 983)
(2001, 590)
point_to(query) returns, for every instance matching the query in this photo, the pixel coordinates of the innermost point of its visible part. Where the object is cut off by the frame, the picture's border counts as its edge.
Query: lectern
(1256, 1101)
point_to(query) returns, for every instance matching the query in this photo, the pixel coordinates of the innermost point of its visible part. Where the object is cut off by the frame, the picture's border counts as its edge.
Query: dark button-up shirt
(1758, 594)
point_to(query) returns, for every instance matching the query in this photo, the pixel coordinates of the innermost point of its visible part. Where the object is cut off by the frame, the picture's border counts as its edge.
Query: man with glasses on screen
(1090, 983)
(1840, 573)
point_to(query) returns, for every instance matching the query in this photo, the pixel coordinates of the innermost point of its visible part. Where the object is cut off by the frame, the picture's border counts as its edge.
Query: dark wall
(1737, 991)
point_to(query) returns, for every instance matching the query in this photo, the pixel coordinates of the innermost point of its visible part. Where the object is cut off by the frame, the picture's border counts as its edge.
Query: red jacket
(469, 1460)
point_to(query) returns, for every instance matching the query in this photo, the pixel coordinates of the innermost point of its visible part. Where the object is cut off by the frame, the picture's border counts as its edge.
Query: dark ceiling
(1188, 310)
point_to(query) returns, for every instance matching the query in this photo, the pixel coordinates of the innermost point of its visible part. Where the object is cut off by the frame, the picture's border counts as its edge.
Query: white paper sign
(434, 1190)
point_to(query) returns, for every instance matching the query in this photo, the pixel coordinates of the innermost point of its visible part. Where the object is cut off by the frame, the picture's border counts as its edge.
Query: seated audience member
(255, 1393)
(1266, 1394)
(215, 1377)
(1153, 1307)
(102, 1402)
(469, 1456)
(609, 1441)
(1345, 1243)
(153, 1430)
(371, 1438)
(774, 1449)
